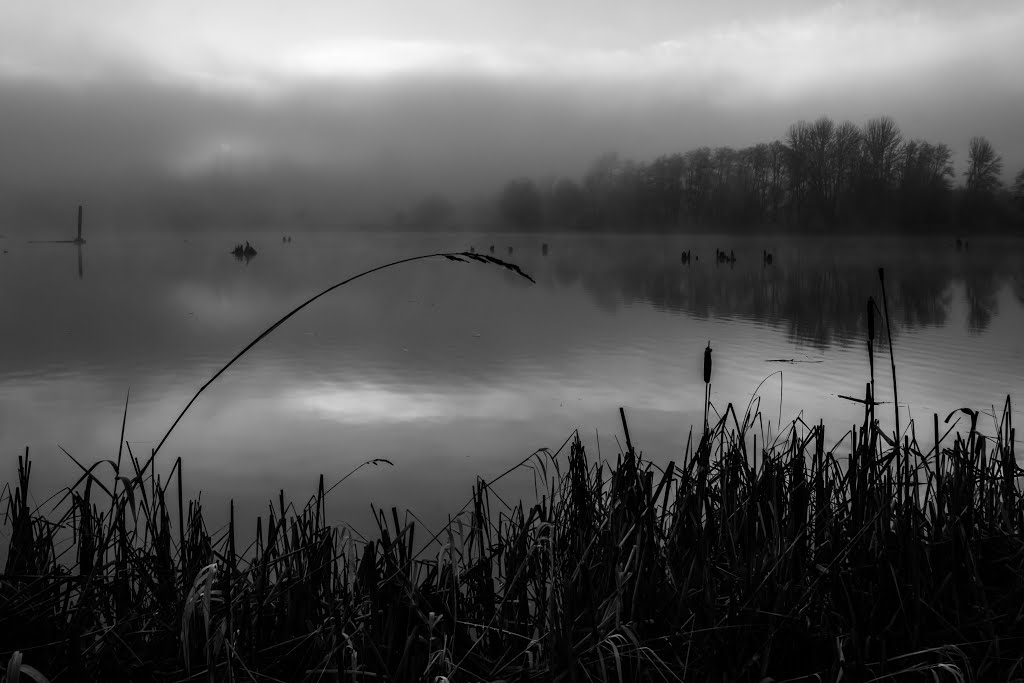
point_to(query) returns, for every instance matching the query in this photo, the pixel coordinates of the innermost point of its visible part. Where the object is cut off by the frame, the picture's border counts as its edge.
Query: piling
(79, 240)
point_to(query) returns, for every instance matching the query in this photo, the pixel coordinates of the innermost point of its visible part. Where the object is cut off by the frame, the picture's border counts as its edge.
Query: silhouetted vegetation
(1018, 189)
(520, 204)
(433, 212)
(244, 253)
(822, 176)
(754, 556)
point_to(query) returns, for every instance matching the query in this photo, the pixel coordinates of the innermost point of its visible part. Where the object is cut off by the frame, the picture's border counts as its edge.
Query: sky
(350, 105)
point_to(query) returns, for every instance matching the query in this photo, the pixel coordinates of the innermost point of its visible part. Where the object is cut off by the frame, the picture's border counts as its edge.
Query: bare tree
(925, 183)
(845, 159)
(820, 141)
(697, 183)
(798, 167)
(984, 167)
(882, 143)
(568, 204)
(830, 154)
(520, 204)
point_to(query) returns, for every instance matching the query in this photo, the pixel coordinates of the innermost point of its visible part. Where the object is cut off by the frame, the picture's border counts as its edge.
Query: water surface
(455, 370)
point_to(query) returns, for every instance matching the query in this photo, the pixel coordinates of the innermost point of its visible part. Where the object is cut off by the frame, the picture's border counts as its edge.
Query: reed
(798, 564)
(875, 559)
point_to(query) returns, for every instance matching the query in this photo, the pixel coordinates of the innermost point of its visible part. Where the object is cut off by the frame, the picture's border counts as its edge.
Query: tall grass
(747, 561)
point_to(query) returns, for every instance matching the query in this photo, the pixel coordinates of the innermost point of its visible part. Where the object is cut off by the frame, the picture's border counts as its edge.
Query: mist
(150, 132)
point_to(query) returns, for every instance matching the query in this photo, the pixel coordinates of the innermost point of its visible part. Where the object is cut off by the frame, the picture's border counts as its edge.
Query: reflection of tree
(817, 299)
(922, 299)
(981, 289)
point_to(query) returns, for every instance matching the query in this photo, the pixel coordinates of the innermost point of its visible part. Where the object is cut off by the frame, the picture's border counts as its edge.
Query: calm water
(455, 370)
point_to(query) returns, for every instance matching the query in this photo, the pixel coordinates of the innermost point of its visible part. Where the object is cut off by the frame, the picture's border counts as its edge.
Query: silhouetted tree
(600, 185)
(627, 209)
(925, 183)
(777, 180)
(823, 160)
(881, 148)
(983, 167)
(798, 171)
(820, 139)
(568, 204)
(520, 204)
(697, 184)
(845, 158)
(432, 213)
(978, 206)
(1018, 189)
(664, 185)
(821, 174)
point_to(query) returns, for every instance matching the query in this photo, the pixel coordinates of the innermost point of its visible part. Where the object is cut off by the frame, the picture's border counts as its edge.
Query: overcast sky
(464, 93)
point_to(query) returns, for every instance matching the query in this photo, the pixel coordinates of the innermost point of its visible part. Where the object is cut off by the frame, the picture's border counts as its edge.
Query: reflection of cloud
(364, 402)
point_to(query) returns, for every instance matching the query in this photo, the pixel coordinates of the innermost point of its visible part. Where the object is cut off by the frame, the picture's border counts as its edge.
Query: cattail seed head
(707, 364)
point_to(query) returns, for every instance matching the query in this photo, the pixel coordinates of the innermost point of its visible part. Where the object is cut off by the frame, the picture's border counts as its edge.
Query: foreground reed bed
(733, 564)
(743, 561)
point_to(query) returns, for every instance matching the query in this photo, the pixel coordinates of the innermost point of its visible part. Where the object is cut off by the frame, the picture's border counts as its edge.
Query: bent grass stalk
(459, 257)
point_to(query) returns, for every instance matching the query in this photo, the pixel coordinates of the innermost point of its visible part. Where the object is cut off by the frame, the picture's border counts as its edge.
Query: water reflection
(436, 363)
(981, 288)
(817, 299)
(244, 253)
(181, 303)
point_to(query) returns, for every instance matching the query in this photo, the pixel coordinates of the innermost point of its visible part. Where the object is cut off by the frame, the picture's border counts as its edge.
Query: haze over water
(453, 371)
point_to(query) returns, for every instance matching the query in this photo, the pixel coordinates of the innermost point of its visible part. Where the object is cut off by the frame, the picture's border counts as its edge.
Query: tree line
(822, 175)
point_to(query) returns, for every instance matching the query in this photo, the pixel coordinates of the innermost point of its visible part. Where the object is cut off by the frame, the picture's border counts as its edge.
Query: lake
(453, 370)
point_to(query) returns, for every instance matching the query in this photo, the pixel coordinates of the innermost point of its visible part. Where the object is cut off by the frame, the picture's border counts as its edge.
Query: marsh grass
(745, 560)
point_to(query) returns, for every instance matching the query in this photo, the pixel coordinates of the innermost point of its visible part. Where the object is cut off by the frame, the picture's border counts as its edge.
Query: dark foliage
(822, 176)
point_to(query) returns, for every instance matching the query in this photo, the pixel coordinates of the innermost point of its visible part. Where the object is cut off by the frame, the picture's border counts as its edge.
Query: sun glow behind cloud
(777, 57)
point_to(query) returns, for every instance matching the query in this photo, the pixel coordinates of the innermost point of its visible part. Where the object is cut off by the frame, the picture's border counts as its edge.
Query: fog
(202, 124)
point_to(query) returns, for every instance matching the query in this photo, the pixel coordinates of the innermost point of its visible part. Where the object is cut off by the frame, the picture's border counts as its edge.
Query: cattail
(707, 364)
(871, 319)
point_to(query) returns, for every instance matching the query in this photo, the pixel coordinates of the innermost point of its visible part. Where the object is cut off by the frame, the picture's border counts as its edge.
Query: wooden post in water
(79, 240)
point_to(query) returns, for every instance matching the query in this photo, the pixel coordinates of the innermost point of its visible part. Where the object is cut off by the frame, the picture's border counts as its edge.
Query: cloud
(350, 110)
(254, 46)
